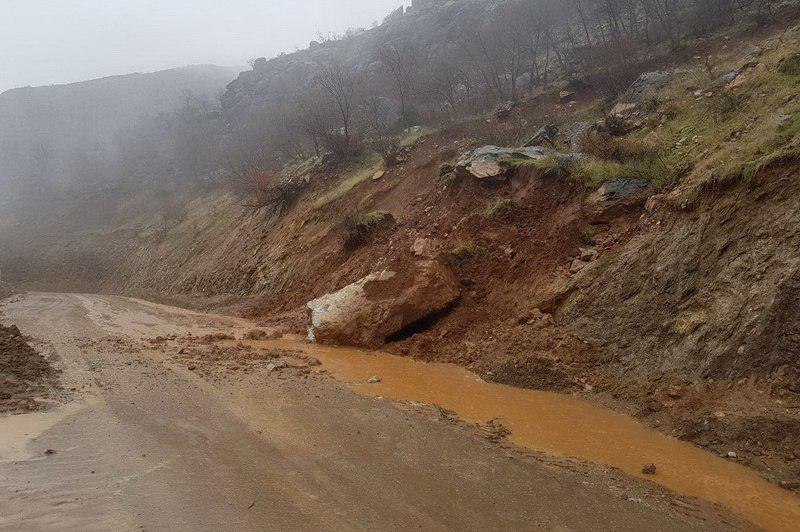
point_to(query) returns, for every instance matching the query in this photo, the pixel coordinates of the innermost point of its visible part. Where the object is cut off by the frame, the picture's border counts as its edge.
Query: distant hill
(40, 126)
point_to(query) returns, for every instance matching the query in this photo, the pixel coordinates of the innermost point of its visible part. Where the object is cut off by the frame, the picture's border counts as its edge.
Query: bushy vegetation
(467, 251)
(496, 207)
(361, 226)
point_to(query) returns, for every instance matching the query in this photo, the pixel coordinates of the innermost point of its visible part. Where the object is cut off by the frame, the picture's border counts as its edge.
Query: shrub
(359, 227)
(465, 252)
(790, 66)
(446, 168)
(495, 207)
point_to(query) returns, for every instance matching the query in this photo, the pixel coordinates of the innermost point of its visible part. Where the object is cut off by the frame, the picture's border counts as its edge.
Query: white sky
(43, 42)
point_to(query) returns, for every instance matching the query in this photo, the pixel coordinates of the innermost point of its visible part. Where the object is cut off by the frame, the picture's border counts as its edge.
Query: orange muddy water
(564, 426)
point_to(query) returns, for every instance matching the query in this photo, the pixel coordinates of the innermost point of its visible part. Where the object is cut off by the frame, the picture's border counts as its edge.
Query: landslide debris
(25, 375)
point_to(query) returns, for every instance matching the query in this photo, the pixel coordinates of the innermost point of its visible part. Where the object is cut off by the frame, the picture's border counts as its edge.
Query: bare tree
(342, 87)
(399, 58)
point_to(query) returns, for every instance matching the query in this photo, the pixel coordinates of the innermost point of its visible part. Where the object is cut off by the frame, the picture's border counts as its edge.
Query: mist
(48, 41)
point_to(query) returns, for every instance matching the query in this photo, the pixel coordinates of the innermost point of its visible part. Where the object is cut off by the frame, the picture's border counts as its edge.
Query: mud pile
(24, 373)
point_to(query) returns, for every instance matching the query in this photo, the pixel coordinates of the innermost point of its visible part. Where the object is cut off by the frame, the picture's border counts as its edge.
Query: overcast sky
(43, 42)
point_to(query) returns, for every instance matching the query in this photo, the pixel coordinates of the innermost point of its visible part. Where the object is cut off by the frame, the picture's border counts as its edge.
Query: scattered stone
(423, 247)
(649, 469)
(588, 254)
(545, 135)
(275, 366)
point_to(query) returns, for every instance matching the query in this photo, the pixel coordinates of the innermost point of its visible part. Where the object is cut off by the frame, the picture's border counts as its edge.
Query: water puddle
(564, 426)
(18, 431)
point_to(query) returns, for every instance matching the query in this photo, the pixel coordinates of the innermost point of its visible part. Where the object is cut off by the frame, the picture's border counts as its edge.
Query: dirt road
(143, 443)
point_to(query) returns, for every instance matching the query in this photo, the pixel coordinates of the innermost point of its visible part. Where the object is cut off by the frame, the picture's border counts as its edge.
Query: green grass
(724, 139)
(549, 167)
(594, 173)
(464, 252)
(409, 138)
(494, 208)
(359, 227)
(300, 168)
(358, 171)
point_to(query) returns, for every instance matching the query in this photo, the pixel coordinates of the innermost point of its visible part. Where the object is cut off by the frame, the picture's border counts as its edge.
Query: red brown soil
(25, 375)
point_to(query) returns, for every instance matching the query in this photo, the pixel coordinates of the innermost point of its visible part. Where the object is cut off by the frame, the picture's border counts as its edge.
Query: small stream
(566, 426)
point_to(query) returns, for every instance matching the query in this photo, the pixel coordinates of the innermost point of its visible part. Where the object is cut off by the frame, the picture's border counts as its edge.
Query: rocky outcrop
(381, 304)
(710, 293)
(490, 162)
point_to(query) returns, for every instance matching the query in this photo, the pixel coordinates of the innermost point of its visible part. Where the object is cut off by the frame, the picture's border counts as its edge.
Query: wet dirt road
(143, 443)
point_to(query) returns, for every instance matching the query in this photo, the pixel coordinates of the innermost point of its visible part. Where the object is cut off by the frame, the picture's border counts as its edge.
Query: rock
(313, 362)
(623, 110)
(566, 96)
(674, 392)
(576, 266)
(782, 120)
(486, 168)
(649, 469)
(622, 188)
(588, 254)
(50, 452)
(488, 161)
(647, 85)
(545, 135)
(728, 77)
(504, 110)
(377, 175)
(575, 134)
(374, 380)
(277, 365)
(370, 310)
(423, 247)
(750, 51)
(732, 454)
(191, 368)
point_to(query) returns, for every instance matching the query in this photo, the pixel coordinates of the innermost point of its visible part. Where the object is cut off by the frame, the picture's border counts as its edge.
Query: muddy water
(565, 426)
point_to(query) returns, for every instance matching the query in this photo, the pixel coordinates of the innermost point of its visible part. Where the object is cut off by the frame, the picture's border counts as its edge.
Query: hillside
(646, 257)
(44, 130)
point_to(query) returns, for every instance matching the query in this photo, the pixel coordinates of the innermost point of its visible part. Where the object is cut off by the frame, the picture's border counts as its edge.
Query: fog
(44, 42)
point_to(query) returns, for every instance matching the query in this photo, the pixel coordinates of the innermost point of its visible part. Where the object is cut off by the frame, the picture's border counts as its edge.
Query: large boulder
(381, 304)
(490, 162)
